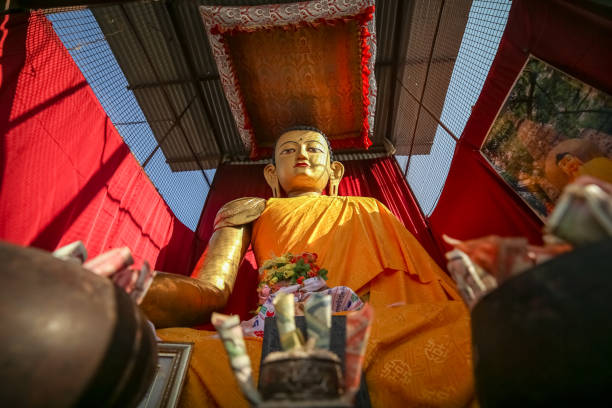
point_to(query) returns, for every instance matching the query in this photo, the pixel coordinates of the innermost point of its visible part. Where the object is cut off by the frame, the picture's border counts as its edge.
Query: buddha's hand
(177, 300)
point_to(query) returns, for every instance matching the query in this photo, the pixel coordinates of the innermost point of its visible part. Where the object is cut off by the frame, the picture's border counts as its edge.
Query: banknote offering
(503, 257)
(135, 282)
(113, 264)
(290, 336)
(110, 262)
(583, 214)
(317, 312)
(472, 281)
(73, 252)
(358, 325)
(230, 332)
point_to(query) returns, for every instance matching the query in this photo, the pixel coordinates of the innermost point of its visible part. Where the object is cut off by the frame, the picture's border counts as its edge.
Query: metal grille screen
(184, 192)
(425, 162)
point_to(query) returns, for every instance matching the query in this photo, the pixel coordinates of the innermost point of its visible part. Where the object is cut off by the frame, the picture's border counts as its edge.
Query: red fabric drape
(65, 173)
(378, 178)
(475, 200)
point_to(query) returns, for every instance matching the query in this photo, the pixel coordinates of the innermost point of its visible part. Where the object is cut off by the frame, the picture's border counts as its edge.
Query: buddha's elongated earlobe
(272, 180)
(337, 171)
(333, 188)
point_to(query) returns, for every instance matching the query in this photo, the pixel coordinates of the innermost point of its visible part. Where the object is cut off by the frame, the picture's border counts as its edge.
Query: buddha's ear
(272, 179)
(337, 171)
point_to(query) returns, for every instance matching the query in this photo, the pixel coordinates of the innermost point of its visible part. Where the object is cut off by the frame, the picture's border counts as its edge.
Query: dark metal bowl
(301, 379)
(544, 338)
(69, 337)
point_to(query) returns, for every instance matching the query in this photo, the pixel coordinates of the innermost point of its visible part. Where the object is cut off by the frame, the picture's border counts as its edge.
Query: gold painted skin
(294, 149)
(180, 301)
(303, 167)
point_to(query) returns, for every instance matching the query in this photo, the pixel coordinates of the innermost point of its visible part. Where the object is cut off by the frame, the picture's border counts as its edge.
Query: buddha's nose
(302, 152)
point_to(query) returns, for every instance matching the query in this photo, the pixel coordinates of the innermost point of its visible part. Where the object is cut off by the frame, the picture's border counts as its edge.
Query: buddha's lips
(301, 165)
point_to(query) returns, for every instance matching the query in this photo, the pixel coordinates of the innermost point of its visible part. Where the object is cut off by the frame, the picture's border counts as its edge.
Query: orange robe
(419, 352)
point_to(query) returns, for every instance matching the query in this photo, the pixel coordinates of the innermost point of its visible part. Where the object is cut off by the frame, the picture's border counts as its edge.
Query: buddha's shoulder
(350, 201)
(239, 212)
(363, 201)
(359, 199)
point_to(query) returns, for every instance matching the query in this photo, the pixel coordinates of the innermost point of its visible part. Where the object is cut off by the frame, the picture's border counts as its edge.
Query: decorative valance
(308, 63)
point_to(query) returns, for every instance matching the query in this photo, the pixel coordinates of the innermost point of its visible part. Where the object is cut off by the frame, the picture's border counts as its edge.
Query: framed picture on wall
(551, 129)
(172, 365)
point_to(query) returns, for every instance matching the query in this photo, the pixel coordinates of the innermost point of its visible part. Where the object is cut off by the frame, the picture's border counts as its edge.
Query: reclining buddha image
(419, 351)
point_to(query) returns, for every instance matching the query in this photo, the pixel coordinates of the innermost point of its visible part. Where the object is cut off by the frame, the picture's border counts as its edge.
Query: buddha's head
(303, 164)
(569, 164)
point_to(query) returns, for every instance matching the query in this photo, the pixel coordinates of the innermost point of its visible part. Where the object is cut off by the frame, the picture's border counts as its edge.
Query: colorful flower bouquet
(287, 270)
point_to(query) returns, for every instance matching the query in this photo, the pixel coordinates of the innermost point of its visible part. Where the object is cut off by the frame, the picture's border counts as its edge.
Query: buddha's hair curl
(304, 127)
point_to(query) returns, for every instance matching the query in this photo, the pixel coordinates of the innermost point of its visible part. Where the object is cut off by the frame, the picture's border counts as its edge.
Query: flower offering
(287, 270)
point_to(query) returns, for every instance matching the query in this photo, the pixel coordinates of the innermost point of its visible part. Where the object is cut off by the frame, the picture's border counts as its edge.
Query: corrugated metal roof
(164, 53)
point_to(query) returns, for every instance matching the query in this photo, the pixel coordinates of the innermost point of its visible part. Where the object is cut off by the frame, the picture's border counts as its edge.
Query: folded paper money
(113, 264)
(317, 312)
(230, 332)
(73, 252)
(290, 337)
(472, 281)
(583, 213)
(110, 262)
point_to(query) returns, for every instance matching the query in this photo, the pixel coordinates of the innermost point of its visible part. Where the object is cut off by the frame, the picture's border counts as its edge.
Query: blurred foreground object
(113, 264)
(543, 338)
(479, 265)
(473, 282)
(70, 337)
(583, 214)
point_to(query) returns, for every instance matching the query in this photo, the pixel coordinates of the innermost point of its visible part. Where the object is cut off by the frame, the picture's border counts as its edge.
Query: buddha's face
(302, 162)
(570, 165)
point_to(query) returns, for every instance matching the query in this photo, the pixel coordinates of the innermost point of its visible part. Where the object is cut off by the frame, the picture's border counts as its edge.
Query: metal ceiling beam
(434, 60)
(189, 159)
(409, 61)
(402, 25)
(435, 117)
(196, 81)
(165, 136)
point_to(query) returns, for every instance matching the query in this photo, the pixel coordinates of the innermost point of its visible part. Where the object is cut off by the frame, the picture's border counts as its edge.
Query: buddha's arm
(176, 300)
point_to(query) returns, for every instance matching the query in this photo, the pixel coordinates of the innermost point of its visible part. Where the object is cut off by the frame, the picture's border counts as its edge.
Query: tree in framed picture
(551, 129)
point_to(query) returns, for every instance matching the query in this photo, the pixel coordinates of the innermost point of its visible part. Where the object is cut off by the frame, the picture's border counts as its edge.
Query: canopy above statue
(168, 59)
(309, 63)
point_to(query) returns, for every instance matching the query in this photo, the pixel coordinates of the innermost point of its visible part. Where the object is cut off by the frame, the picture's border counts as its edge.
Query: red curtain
(378, 178)
(65, 173)
(475, 200)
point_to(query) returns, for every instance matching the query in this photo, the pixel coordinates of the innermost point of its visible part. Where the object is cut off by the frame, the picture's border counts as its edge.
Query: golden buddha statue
(419, 353)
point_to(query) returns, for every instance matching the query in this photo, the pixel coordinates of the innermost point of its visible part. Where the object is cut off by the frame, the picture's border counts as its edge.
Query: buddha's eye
(315, 150)
(287, 151)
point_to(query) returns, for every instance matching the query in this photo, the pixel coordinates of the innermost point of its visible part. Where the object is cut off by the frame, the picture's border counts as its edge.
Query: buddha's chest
(294, 225)
(306, 224)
